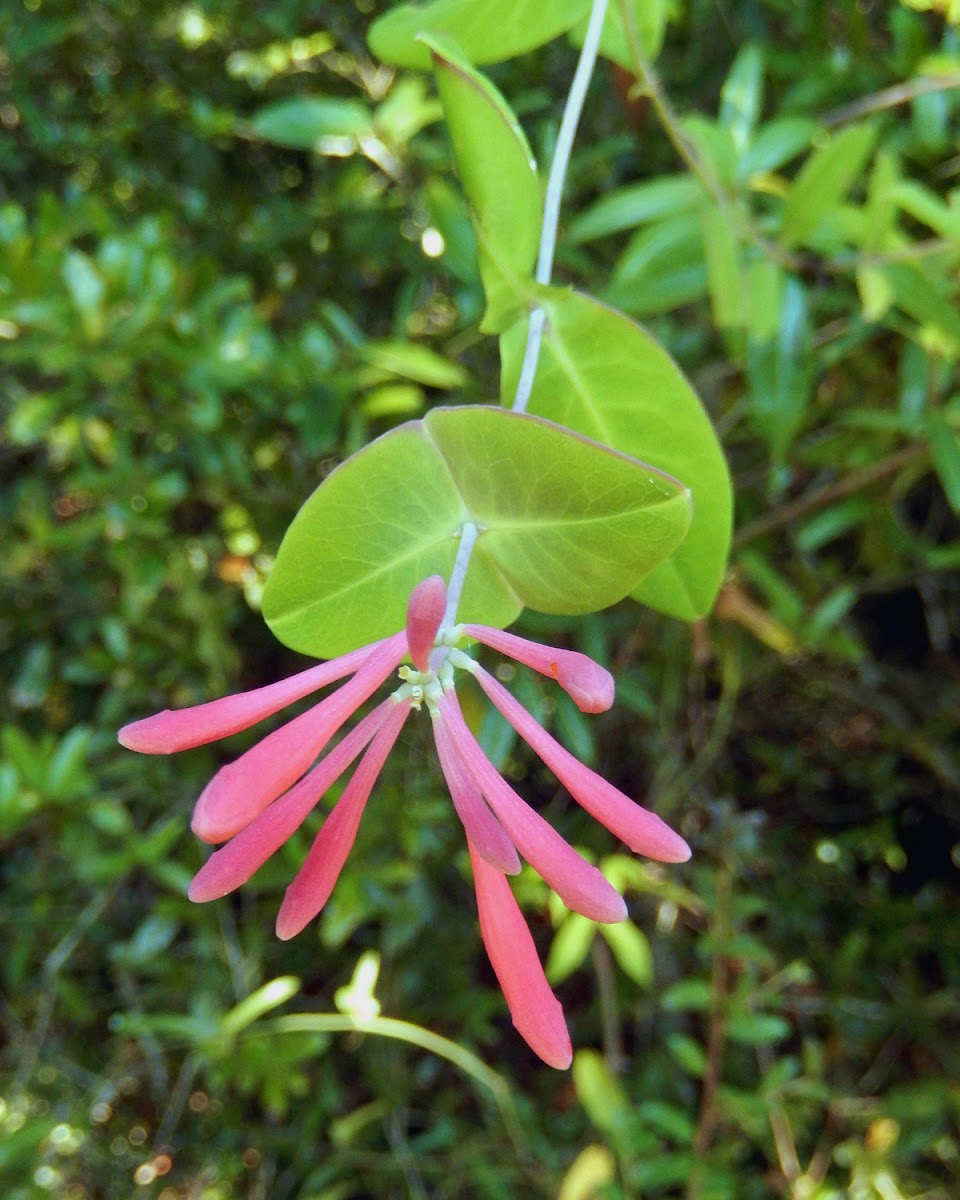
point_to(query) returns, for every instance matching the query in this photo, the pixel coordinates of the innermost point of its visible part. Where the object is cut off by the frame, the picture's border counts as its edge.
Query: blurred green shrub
(206, 299)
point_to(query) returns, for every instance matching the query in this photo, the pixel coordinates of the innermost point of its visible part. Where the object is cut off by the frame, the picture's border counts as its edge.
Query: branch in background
(899, 93)
(849, 485)
(708, 1117)
(649, 80)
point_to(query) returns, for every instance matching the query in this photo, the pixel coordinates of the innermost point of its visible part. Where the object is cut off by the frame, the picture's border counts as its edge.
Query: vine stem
(548, 243)
(565, 139)
(468, 539)
(551, 206)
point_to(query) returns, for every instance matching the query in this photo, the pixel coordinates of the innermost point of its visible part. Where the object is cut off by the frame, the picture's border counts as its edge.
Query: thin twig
(179, 1094)
(849, 485)
(55, 961)
(716, 1030)
(701, 169)
(780, 1125)
(609, 1009)
(672, 127)
(899, 93)
(741, 222)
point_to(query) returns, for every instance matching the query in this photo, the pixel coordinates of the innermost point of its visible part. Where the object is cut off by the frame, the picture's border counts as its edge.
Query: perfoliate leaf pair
(566, 525)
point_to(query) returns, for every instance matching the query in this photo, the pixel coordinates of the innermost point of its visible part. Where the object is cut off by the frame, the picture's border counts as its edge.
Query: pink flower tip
(674, 848)
(161, 733)
(151, 735)
(425, 610)
(589, 685)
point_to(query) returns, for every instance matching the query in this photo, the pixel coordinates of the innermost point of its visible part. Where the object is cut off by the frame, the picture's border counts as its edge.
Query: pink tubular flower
(256, 803)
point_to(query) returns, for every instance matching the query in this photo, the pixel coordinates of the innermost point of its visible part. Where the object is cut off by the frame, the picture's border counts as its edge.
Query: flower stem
(551, 207)
(548, 242)
(468, 538)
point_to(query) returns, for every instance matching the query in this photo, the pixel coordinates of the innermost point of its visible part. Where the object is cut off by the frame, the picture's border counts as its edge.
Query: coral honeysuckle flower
(258, 801)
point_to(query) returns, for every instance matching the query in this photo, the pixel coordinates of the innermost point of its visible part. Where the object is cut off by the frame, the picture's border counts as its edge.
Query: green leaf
(489, 32)
(592, 1169)
(601, 1093)
(714, 143)
(658, 248)
(631, 950)
(727, 299)
(945, 452)
(756, 1029)
(271, 995)
(570, 947)
(66, 768)
(829, 613)
(663, 266)
(499, 177)
(688, 1054)
(834, 522)
(627, 207)
(741, 97)
(765, 281)
(670, 1120)
(875, 292)
(776, 143)
(688, 995)
(574, 535)
(87, 290)
(880, 209)
(928, 302)
(927, 207)
(303, 122)
(382, 521)
(606, 377)
(413, 361)
(649, 24)
(393, 400)
(409, 106)
(577, 533)
(823, 181)
(780, 373)
(662, 292)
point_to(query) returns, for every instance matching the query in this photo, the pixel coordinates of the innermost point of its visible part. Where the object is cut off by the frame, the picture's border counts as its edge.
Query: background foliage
(201, 312)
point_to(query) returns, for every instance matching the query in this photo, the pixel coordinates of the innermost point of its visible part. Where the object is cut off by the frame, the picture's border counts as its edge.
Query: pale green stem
(531, 356)
(468, 538)
(554, 196)
(548, 242)
(402, 1031)
(568, 131)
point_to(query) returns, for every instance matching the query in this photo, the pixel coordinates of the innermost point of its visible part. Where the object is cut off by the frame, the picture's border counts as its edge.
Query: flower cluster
(256, 803)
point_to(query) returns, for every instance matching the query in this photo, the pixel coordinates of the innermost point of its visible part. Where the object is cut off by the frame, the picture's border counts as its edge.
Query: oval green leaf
(823, 181)
(566, 526)
(604, 376)
(489, 32)
(500, 180)
(301, 123)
